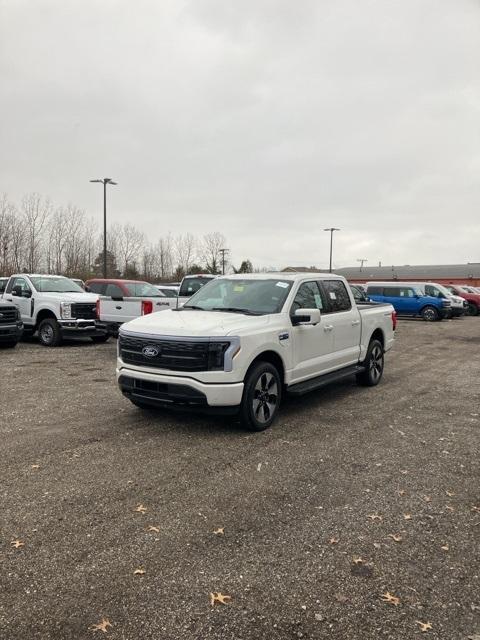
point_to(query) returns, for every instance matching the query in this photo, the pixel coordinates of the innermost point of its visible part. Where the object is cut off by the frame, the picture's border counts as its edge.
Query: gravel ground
(353, 493)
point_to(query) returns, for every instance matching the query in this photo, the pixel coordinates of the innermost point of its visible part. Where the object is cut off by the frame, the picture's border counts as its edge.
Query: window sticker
(239, 288)
(318, 300)
(284, 285)
(333, 295)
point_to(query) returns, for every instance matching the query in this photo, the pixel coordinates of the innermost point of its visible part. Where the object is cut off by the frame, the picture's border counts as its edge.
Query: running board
(320, 381)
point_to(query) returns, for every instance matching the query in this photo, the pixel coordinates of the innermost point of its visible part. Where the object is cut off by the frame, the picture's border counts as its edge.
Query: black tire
(262, 394)
(100, 339)
(374, 364)
(472, 309)
(49, 333)
(8, 344)
(430, 314)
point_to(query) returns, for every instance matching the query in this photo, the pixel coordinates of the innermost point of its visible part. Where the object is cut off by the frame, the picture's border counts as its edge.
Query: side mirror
(27, 293)
(306, 317)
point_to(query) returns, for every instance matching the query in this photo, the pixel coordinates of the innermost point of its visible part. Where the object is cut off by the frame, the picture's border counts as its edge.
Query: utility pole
(362, 260)
(331, 229)
(105, 181)
(223, 252)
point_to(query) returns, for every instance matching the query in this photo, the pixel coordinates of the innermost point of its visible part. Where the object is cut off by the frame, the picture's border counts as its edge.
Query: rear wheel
(374, 364)
(49, 333)
(472, 309)
(430, 314)
(261, 397)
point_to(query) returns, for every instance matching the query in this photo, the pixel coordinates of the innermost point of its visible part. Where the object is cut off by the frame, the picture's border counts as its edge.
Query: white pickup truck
(115, 309)
(242, 341)
(55, 307)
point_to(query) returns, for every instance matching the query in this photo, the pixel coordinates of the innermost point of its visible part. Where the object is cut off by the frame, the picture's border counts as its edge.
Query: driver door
(20, 294)
(313, 345)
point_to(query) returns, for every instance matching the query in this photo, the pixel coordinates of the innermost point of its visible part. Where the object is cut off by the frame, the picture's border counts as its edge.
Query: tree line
(38, 237)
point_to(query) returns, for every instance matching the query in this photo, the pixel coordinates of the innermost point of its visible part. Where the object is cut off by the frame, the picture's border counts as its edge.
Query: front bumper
(9, 332)
(82, 327)
(177, 391)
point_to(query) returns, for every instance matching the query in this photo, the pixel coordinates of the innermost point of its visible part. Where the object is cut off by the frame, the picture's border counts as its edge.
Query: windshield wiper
(192, 306)
(247, 312)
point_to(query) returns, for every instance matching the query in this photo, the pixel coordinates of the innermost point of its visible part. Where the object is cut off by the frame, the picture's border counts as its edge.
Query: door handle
(9, 299)
(328, 327)
(355, 322)
(118, 307)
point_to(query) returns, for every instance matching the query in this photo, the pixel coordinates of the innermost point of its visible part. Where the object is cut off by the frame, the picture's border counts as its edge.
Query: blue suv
(409, 300)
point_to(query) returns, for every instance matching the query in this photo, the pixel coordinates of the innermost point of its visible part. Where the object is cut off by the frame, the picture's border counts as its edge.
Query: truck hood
(69, 297)
(194, 323)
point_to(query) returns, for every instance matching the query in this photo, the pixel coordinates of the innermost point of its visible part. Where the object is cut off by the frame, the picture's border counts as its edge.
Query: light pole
(223, 252)
(331, 229)
(105, 181)
(362, 262)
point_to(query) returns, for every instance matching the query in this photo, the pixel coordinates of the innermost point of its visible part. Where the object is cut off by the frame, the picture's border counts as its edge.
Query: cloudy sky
(266, 120)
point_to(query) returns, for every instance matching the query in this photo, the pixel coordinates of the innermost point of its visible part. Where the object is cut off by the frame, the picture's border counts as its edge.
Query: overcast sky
(266, 120)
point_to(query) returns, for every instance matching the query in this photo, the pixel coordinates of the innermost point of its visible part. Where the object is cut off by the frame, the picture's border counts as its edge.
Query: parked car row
(429, 300)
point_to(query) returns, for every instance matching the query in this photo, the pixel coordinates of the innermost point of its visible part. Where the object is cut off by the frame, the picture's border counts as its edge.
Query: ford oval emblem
(150, 352)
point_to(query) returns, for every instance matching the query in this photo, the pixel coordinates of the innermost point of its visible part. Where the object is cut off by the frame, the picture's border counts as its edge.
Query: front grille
(8, 315)
(84, 311)
(174, 355)
(174, 394)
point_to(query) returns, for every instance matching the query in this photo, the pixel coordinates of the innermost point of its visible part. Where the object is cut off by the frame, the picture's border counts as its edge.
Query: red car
(473, 299)
(117, 288)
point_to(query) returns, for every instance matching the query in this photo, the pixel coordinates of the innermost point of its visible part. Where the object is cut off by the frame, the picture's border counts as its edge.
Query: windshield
(192, 285)
(142, 289)
(255, 297)
(56, 285)
(443, 290)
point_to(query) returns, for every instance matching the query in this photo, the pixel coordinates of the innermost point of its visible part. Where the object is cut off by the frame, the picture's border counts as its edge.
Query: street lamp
(331, 229)
(362, 262)
(105, 181)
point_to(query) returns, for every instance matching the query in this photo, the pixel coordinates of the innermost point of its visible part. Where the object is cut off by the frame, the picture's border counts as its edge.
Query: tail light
(394, 319)
(147, 307)
(97, 308)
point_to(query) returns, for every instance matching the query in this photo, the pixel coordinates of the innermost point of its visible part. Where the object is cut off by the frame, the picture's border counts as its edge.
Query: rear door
(344, 317)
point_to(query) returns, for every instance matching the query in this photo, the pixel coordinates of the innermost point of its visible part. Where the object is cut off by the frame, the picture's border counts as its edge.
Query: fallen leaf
(427, 498)
(476, 509)
(220, 531)
(390, 599)
(141, 509)
(450, 508)
(450, 493)
(139, 572)
(339, 597)
(377, 545)
(424, 626)
(17, 544)
(401, 492)
(219, 597)
(357, 560)
(445, 547)
(152, 528)
(35, 466)
(333, 541)
(102, 626)
(403, 471)
(407, 516)
(375, 516)
(395, 536)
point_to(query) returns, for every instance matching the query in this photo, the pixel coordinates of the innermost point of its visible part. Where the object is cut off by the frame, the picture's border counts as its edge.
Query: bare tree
(185, 252)
(35, 213)
(212, 245)
(9, 235)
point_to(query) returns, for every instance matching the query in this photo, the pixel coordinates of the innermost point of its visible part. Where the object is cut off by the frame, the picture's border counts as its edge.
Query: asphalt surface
(308, 509)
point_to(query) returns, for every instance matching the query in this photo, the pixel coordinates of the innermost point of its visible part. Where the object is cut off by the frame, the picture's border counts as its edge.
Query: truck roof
(289, 277)
(37, 275)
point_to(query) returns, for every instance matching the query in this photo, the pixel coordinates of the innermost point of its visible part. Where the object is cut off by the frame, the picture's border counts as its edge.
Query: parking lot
(135, 518)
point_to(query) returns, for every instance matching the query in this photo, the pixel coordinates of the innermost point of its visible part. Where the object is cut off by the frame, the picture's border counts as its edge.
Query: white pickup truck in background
(116, 310)
(55, 307)
(242, 341)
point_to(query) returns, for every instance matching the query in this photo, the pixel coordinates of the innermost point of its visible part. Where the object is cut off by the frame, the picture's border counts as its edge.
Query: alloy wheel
(265, 397)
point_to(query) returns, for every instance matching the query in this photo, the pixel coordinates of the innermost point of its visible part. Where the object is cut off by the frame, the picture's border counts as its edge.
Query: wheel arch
(273, 358)
(42, 315)
(378, 335)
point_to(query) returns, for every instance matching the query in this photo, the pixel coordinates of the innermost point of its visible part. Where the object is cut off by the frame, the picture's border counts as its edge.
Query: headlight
(216, 355)
(66, 310)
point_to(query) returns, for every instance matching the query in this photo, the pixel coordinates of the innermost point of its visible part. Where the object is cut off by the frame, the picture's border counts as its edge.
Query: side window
(114, 291)
(391, 292)
(308, 297)
(432, 291)
(98, 287)
(374, 291)
(20, 282)
(337, 295)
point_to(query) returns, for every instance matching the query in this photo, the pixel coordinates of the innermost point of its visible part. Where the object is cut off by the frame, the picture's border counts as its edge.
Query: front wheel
(374, 364)
(49, 333)
(261, 397)
(430, 314)
(100, 339)
(472, 309)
